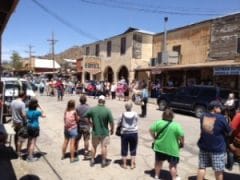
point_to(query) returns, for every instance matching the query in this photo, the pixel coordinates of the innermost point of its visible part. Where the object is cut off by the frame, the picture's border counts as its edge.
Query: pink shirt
(70, 121)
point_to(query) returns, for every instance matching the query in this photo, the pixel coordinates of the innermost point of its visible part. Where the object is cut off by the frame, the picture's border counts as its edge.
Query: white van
(13, 85)
(11, 88)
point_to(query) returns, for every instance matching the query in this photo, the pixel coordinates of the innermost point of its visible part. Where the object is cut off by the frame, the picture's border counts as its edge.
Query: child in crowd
(33, 114)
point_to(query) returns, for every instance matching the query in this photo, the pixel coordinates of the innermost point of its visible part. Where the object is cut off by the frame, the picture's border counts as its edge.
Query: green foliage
(16, 61)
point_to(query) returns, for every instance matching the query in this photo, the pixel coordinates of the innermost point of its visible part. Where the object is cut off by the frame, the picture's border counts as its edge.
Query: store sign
(156, 71)
(220, 71)
(92, 66)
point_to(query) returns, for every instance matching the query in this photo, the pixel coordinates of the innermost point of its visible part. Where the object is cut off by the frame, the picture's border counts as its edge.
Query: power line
(146, 9)
(65, 22)
(169, 8)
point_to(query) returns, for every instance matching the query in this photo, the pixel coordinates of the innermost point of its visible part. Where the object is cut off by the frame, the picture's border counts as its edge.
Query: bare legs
(172, 169)
(158, 167)
(31, 146)
(18, 144)
(72, 148)
(64, 148)
(202, 172)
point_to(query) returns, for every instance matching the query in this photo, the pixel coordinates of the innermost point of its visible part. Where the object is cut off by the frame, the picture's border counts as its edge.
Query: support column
(115, 77)
(184, 77)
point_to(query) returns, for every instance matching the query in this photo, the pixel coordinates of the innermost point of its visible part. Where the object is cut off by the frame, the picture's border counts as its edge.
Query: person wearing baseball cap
(100, 117)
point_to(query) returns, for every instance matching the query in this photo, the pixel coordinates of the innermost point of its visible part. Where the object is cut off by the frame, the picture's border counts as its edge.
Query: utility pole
(165, 53)
(52, 42)
(30, 56)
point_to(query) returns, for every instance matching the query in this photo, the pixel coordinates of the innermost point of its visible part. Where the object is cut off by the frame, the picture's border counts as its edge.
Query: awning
(224, 63)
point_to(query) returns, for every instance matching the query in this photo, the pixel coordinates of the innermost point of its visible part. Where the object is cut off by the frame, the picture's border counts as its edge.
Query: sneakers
(178, 178)
(87, 155)
(31, 159)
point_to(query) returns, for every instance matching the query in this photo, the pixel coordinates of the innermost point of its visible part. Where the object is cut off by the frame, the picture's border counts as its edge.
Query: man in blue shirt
(212, 144)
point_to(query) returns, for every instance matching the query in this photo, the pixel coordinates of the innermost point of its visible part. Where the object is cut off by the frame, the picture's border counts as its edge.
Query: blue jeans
(129, 141)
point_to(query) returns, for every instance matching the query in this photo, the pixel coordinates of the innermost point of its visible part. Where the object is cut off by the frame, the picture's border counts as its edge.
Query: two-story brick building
(207, 52)
(117, 56)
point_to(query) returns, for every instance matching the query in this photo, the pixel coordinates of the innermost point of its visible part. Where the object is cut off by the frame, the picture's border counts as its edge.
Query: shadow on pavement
(119, 162)
(6, 155)
(231, 176)
(30, 177)
(226, 175)
(37, 155)
(164, 174)
(98, 159)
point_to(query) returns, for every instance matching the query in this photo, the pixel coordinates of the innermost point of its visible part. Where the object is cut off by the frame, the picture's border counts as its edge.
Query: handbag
(119, 128)
(153, 143)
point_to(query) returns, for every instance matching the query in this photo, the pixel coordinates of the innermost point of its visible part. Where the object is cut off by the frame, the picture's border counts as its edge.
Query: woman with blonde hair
(70, 130)
(129, 135)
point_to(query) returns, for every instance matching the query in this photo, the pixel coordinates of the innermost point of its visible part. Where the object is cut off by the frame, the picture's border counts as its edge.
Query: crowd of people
(95, 125)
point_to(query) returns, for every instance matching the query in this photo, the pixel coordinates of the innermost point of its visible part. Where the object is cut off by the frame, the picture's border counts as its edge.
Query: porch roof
(192, 66)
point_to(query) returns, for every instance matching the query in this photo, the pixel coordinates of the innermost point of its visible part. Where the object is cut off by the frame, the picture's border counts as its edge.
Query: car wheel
(162, 105)
(199, 110)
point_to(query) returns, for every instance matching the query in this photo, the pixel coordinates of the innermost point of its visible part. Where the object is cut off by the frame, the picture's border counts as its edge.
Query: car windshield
(12, 85)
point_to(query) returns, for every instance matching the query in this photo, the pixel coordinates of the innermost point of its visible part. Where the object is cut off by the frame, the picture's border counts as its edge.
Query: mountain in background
(74, 52)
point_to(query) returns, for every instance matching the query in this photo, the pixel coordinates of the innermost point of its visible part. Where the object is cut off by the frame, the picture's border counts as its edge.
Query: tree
(16, 61)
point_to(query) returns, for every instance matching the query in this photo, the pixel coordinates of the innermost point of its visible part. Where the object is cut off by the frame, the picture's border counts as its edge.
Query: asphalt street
(50, 166)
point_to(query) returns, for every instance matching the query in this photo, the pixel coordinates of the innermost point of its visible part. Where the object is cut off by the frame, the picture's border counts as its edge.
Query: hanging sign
(220, 71)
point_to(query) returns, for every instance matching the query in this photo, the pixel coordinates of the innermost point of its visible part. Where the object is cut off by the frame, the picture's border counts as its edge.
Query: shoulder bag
(119, 128)
(153, 143)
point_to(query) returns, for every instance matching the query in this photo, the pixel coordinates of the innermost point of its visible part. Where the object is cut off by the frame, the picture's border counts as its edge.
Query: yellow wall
(116, 60)
(194, 41)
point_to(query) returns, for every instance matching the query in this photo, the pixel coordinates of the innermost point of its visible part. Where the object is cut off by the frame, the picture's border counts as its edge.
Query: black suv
(193, 99)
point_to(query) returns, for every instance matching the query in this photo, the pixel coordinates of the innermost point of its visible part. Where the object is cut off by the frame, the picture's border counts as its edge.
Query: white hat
(102, 97)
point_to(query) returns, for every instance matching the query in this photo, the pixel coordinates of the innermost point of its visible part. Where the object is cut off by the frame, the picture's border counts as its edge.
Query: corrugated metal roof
(45, 63)
(70, 60)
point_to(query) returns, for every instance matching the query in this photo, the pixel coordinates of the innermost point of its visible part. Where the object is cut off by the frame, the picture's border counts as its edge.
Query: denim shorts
(73, 133)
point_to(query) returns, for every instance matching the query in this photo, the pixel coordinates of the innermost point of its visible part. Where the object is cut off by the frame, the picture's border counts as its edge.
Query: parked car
(194, 99)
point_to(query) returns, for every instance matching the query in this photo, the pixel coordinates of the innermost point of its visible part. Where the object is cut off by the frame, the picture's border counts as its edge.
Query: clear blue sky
(30, 24)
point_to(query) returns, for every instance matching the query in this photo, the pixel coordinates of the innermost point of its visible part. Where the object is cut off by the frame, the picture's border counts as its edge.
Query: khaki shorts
(103, 140)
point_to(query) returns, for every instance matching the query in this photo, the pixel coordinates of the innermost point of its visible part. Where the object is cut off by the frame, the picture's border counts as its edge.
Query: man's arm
(23, 113)
(111, 128)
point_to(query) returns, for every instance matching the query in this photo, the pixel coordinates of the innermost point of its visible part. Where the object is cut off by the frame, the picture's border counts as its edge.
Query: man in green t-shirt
(100, 117)
(167, 143)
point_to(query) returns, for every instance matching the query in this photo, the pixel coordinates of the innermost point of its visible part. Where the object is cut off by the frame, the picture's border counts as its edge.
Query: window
(123, 45)
(137, 46)
(238, 45)
(109, 48)
(177, 49)
(97, 50)
(87, 51)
